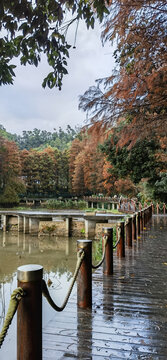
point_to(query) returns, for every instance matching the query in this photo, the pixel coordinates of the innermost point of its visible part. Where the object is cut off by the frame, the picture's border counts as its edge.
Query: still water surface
(57, 256)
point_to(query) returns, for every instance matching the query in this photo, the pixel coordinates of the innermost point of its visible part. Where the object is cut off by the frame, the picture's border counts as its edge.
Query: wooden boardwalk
(129, 314)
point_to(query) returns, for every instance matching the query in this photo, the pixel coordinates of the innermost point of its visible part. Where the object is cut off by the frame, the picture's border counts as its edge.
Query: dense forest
(123, 148)
(35, 164)
(93, 163)
(41, 138)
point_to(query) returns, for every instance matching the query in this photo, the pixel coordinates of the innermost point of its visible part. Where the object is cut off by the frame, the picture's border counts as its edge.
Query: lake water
(57, 256)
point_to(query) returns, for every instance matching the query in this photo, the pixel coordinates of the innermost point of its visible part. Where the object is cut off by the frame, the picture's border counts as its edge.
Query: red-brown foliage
(136, 90)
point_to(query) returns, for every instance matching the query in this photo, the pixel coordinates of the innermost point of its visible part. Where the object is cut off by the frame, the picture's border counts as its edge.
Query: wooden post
(144, 219)
(134, 227)
(164, 208)
(152, 205)
(140, 206)
(108, 260)
(147, 215)
(29, 313)
(84, 280)
(138, 222)
(141, 220)
(151, 211)
(129, 231)
(121, 244)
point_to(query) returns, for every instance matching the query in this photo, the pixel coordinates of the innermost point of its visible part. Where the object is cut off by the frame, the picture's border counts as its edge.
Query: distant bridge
(60, 223)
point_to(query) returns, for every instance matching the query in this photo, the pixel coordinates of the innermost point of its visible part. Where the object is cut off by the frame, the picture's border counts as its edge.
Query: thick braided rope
(119, 237)
(14, 301)
(103, 256)
(45, 292)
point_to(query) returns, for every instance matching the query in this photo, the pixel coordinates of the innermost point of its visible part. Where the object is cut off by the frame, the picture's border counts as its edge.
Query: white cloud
(25, 105)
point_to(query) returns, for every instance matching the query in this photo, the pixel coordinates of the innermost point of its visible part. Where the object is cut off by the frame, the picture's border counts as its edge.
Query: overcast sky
(26, 105)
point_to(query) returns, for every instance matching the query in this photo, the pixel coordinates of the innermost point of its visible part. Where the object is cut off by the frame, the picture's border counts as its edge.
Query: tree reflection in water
(58, 258)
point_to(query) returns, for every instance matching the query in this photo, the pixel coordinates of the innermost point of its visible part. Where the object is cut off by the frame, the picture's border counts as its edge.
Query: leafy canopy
(137, 163)
(32, 27)
(136, 90)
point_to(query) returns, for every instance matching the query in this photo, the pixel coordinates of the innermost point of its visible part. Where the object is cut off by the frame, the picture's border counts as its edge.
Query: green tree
(31, 28)
(62, 171)
(160, 190)
(41, 139)
(45, 172)
(133, 164)
(5, 134)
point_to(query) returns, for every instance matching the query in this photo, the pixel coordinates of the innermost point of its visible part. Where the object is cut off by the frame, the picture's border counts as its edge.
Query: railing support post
(152, 206)
(108, 260)
(121, 244)
(134, 227)
(147, 215)
(142, 220)
(138, 223)
(129, 232)
(164, 208)
(29, 313)
(84, 280)
(151, 212)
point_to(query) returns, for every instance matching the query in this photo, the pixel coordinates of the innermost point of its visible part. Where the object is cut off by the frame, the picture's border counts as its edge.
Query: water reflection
(84, 333)
(19, 249)
(58, 258)
(108, 300)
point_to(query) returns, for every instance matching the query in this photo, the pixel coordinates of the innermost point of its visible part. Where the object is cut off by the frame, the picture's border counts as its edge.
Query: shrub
(67, 204)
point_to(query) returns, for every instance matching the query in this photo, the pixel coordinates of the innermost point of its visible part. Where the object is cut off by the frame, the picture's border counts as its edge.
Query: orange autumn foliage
(86, 161)
(136, 91)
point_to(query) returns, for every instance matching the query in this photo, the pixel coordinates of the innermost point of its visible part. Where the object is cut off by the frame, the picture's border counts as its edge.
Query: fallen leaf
(143, 342)
(49, 282)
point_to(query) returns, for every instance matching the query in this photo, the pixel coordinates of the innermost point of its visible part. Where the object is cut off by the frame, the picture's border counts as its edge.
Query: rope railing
(119, 237)
(16, 296)
(31, 286)
(45, 292)
(19, 293)
(105, 239)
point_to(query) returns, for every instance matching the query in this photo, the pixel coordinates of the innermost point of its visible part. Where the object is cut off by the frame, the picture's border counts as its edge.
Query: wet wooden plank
(129, 313)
